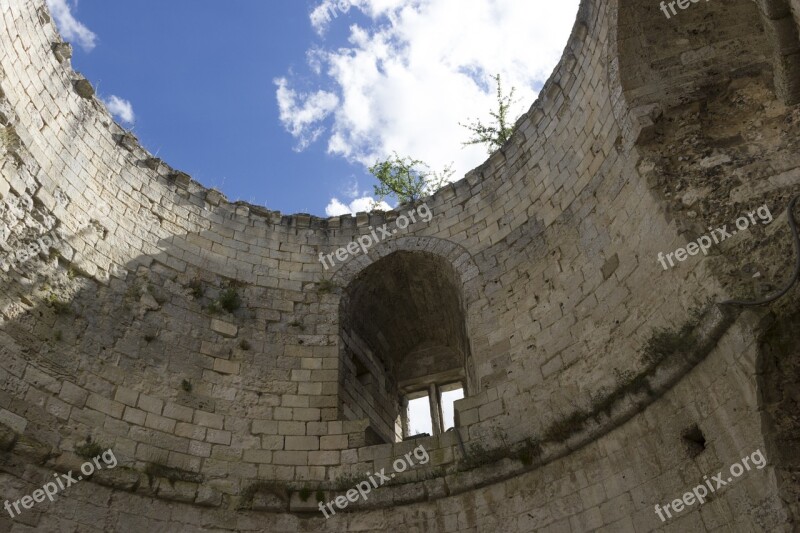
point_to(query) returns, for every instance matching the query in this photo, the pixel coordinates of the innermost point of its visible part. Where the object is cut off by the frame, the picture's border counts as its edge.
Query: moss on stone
(154, 470)
(326, 286)
(280, 490)
(90, 450)
(229, 300)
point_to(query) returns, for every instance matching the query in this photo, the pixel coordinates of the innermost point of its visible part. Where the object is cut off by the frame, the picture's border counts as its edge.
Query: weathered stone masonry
(238, 382)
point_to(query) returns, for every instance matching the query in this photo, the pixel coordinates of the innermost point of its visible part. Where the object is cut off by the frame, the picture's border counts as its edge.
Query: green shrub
(326, 286)
(229, 300)
(154, 470)
(60, 308)
(89, 449)
(196, 289)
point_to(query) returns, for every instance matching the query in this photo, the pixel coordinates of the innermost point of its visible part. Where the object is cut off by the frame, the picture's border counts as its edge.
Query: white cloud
(71, 29)
(353, 190)
(120, 108)
(365, 204)
(420, 67)
(302, 119)
(325, 12)
(329, 10)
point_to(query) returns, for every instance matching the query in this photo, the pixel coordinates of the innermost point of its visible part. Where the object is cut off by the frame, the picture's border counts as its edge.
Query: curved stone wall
(204, 342)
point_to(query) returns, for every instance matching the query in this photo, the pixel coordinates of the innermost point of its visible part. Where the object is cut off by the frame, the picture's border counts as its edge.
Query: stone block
(209, 420)
(226, 329)
(218, 437)
(286, 428)
(301, 443)
(333, 442)
(167, 425)
(272, 442)
(126, 396)
(72, 394)
(226, 367)
(104, 405)
(134, 416)
(290, 458)
(150, 404)
(257, 456)
(264, 427)
(324, 458)
(178, 412)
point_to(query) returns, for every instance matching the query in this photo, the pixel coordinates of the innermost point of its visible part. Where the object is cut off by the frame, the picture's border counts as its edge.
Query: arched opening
(403, 337)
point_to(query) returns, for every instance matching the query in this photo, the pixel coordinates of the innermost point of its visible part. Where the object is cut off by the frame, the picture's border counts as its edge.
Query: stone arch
(423, 298)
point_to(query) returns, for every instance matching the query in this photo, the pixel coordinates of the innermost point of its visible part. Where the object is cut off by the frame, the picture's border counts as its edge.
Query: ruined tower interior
(241, 385)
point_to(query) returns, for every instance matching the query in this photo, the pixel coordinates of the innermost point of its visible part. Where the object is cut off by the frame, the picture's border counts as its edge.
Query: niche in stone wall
(402, 336)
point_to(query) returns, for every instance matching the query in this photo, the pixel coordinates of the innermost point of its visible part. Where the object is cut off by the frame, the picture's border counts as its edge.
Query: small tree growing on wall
(407, 179)
(495, 135)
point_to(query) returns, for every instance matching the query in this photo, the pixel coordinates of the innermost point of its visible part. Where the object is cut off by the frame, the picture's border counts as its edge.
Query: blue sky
(276, 104)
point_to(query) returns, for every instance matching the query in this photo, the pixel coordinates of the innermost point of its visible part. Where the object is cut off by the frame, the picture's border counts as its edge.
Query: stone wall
(204, 342)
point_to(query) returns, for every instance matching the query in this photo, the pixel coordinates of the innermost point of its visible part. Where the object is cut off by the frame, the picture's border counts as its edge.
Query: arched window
(403, 337)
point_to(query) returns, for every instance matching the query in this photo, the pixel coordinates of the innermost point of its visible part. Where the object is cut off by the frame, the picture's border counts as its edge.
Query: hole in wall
(694, 440)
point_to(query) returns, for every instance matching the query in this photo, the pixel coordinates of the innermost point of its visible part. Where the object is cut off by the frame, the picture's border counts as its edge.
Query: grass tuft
(196, 288)
(326, 286)
(89, 449)
(154, 470)
(229, 300)
(60, 308)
